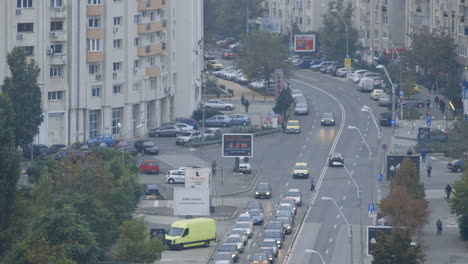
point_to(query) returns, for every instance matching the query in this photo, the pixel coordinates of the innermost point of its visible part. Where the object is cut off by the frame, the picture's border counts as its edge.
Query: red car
(149, 166)
(228, 55)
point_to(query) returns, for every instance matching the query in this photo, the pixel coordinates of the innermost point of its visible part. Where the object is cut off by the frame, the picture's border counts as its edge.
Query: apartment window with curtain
(55, 96)
(94, 45)
(117, 21)
(94, 22)
(56, 71)
(56, 25)
(94, 68)
(24, 3)
(57, 48)
(25, 27)
(96, 91)
(116, 119)
(117, 89)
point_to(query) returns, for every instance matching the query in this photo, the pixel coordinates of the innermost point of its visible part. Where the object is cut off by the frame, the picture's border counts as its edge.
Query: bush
(463, 224)
(411, 114)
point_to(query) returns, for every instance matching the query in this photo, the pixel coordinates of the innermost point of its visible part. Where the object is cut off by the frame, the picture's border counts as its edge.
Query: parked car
(315, 62)
(149, 166)
(124, 146)
(343, 72)
(335, 159)
(385, 119)
(214, 65)
(211, 132)
(167, 131)
(384, 100)
(365, 85)
(208, 56)
(244, 165)
(376, 93)
(228, 55)
(188, 121)
(188, 136)
(151, 189)
(38, 150)
(456, 165)
(218, 104)
(218, 121)
(146, 147)
(317, 67)
(263, 190)
(355, 76)
(175, 176)
(240, 119)
(300, 100)
(327, 119)
(102, 138)
(55, 148)
(184, 127)
(304, 63)
(333, 70)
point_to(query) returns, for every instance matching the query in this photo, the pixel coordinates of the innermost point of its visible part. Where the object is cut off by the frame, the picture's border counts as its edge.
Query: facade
(106, 66)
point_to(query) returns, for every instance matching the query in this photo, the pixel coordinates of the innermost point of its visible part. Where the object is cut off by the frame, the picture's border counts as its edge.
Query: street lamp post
(350, 231)
(380, 66)
(311, 251)
(363, 139)
(398, 55)
(345, 28)
(369, 110)
(354, 181)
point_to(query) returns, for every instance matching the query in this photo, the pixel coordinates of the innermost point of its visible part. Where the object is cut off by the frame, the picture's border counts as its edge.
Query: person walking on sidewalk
(429, 169)
(428, 103)
(439, 227)
(448, 191)
(409, 152)
(436, 101)
(423, 155)
(246, 105)
(213, 167)
(312, 184)
(242, 99)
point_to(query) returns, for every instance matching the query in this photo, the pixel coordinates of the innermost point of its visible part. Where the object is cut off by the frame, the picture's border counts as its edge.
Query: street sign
(371, 207)
(380, 177)
(384, 146)
(401, 93)
(197, 178)
(347, 63)
(279, 81)
(194, 201)
(237, 145)
(428, 120)
(392, 122)
(424, 134)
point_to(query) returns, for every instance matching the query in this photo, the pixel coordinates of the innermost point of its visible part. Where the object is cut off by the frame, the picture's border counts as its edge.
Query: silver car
(188, 136)
(218, 104)
(237, 240)
(241, 232)
(296, 195)
(169, 131)
(248, 227)
(301, 109)
(270, 243)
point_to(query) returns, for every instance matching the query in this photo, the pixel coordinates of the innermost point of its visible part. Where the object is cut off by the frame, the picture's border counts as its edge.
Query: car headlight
(257, 193)
(288, 227)
(333, 120)
(267, 193)
(323, 120)
(270, 258)
(233, 255)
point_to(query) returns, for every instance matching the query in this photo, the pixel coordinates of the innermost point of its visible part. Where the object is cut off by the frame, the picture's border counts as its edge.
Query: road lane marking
(337, 216)
(304, 146)
(326, 252)
(349, 182)
(344, 197)
(357, 156)
(300, 155)
(354, 164)
(367, 129)
(307, 139)
(360, 148)
(351, 172)
(310, 133)
(334, 226)
(341, 207)
(331, 240)
(287, 183)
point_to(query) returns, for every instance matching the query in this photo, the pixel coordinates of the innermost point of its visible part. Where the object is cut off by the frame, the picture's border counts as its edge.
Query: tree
(25, 95)
(459, 204)
(396, 248)
(42, 252)
(9, 161)
(407, 176)
(135, 244)
(333, 35)
(405, 210)
(262, 54)
(284, 102)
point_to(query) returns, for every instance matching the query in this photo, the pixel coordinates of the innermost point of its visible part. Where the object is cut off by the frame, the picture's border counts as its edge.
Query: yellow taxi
(293, 127)
(214, 65)
(301, 170)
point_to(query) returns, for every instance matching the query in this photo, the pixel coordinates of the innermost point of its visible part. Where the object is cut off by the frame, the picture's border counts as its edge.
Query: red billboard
(304, 43)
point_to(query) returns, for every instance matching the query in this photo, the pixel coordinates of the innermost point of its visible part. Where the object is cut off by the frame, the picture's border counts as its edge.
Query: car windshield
(238, 232)
(233, 239)
(148, 144)
(253, 205)
(222, 257)
(274, 226)
(214, 62)
(293, 123)
(255, 212)
(242, 225)
(175, 231)
(328, 115)
(284, 207)
(283, 220)
(301, 167)
(301, 106)
(384, 97)
(244, 218)
(293, 194)
(273, 234)
(284, 213)
(268, 244)
(228, 247)
(260, 257)
(187, 134)
(263, 187)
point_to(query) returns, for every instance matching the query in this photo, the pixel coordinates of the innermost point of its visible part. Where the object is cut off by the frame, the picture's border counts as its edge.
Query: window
(94, 68)
(117, 66)
(56, 71)
(117, 89)
(136, 64)
(56, 3)
(148, 3)
(152, 16)
(25, 27)
(151, 61)
(137, 87)
(56, 25)
(137, 42)
(93, 123)
(94, 22)
(137, 19)
(57, 48)
(117, 43)
(94, 45)
(94, 2)
(29, 50)
(24, 3)
(55, 96)
(96, 91)
(150, 38)
(117, 21)
(153, 83)
(116, 119)
(116, 1)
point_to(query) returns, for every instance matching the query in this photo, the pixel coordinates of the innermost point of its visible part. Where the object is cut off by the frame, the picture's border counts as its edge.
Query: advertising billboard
(304, 43)
(194, 201)
(237, 145)
(394, 162)
(197, 178)
(465, 94)
(279, 81)
(271, 25)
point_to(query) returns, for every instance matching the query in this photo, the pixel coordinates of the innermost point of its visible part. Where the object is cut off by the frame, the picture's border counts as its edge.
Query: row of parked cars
(274, 231)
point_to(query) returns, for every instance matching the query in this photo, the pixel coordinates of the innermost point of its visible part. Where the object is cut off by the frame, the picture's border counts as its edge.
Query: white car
(218, 104)
(343, 72)
(212, 131)
(175, 176)
(188, 136)
(237, 239)
(295, 194)
(374, 95)
(357, 76)
(242, 233)
(245, 217)
(296, 92)
(184, 127)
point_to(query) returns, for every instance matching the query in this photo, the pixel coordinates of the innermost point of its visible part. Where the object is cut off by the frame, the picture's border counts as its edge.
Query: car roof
(301, 164)
(336, 154)
(294, 190)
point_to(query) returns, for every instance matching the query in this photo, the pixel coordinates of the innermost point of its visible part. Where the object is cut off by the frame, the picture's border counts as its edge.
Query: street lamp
(398, 54)
(350, 232)
(311, 251)
(369, 110)
(363, 139)
(354, 181)
(346, 29)
(380, 66)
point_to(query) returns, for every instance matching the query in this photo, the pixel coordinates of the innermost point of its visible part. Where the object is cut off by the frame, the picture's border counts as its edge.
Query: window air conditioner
(50, 51)
(98, 76)
(53, 34)
(116, 29)
(19, 11)
(114, 75)
(20, 36)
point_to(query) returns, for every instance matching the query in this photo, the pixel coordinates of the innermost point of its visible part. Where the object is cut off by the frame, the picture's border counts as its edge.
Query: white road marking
(313, 126)
(303, 147)
(307, 139)
(351, 172)
(365, 135)
(344, 197)
(349, 182)
(287, 183)
(331, 239)
(357, 156)
(326, 252)
(300, 155)
(432, 158)
(341, 207)
(337, 216)
(334, 226)
(367, 129)
(310, 133)
(360, 148)
(354, 164)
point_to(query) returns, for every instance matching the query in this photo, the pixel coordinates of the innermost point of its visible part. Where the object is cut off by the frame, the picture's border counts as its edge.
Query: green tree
(396, 248)
(284, 101)
(135, 244)
(42, 252)
(459, 203)
(262, 54)
(333, 35)
(407, 176)
(9, 161)
(25, 94)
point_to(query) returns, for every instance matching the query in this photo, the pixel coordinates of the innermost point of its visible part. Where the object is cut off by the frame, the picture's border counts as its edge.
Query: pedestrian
(435, 86)
(423, 155)
(430, 87)
(246, 105)
(283, 126)
(439, 227)
(312, 184)
(409, 152)
(213, 167)
(428, 103)
(242, 99)
(448, 191)
(436, 100)
(429, 169)
(442, 107)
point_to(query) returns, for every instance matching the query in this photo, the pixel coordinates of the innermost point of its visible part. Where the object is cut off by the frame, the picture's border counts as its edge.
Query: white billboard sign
(194, 201)
(197, 178)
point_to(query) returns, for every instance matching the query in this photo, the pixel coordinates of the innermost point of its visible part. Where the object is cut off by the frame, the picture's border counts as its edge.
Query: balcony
(151, 50)
(151, 27)
(153, 72)
(58, 36)
(58, 13)
(58, 59)
(95, 33)
(92, 57)
(94, 10)
(144, 5)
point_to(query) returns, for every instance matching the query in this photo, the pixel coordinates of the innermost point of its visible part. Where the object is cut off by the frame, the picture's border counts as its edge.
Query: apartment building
(107, 66)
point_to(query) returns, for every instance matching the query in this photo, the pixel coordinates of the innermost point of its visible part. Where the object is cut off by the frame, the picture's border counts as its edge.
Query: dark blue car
(188, 121)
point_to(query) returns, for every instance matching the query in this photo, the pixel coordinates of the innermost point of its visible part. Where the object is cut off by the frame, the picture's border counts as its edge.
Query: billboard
(197, 178)
(372, 235)
(465, 94)
(279, 81)
(271, 25)
(304, 43)
(194, 201)
(237, 145)
(394, 162)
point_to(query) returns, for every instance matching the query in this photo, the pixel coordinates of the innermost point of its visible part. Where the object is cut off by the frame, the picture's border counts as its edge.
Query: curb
(245, 190)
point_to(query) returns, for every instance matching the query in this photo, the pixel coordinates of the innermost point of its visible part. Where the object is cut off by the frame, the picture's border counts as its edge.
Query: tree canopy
(459, 203)
(407, 176)
(396, 248)
(284, 101)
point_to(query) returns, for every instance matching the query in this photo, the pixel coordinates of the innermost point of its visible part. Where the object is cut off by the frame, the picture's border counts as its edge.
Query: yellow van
(191, 233)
